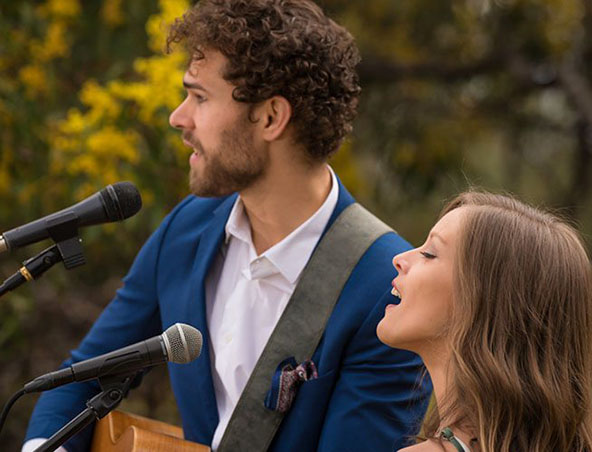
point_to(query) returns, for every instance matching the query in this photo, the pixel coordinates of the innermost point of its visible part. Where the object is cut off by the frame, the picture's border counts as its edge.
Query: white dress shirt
(246, 294)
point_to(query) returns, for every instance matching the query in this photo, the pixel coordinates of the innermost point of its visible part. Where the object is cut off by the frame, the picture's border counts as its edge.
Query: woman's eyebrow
(437, 236)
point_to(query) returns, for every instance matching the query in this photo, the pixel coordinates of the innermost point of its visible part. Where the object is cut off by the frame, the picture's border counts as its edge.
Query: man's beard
(235, 165)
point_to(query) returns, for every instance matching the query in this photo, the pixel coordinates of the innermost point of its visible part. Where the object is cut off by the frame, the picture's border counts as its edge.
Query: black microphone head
(183, 343)
(121, 200)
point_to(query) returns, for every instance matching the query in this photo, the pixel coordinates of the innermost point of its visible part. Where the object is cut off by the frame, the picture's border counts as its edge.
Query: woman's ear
(275, 117)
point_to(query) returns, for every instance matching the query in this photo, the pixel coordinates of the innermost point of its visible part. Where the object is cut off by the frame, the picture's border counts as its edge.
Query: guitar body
(124, 432)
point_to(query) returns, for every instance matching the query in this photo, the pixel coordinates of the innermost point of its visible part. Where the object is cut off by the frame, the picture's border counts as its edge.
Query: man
(271, 94)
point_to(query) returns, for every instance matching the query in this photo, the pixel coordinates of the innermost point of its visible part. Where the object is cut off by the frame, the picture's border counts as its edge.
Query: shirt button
(228, 338)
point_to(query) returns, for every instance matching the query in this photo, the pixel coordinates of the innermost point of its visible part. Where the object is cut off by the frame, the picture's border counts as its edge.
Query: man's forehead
(195, 66)
(210, 62)
(207, 74)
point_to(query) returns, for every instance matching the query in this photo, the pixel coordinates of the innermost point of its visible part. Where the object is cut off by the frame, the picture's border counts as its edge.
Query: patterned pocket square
(287, 378)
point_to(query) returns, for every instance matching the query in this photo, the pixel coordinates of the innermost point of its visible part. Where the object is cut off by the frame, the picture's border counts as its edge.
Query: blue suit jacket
(367, 396)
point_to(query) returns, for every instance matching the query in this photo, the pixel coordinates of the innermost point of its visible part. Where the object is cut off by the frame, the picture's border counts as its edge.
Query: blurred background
(496, 94)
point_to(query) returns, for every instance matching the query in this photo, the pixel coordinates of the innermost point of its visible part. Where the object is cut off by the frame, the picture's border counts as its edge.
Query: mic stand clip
(114, 389)
(64, 231)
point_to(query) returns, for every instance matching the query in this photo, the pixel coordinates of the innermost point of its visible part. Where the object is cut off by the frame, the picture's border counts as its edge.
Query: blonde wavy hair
(521, 330)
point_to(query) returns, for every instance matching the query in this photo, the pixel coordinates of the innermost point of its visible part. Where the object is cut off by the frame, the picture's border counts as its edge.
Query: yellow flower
(110, 144)
(55, 44)
(34, 78)
(160, 90)
(95, 143)
(157, 24)
(99, 155)
(85, 164)
(75, 123)
(63, 8)
(163, 76)
(102, 104)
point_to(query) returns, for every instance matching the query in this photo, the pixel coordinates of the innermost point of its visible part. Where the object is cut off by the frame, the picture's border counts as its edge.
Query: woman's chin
(385, 333)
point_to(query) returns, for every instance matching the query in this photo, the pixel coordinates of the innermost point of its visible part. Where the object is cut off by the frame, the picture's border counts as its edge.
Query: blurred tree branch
(374, 70)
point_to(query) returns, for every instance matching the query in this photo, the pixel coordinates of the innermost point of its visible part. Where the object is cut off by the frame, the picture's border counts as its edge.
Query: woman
(498, 303)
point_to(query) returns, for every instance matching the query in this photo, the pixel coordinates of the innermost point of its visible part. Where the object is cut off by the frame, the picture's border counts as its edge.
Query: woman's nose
(400, 262)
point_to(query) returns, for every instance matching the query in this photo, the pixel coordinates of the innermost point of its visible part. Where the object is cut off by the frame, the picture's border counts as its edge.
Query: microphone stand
(32, 268)
(114, 390)
(63, 230)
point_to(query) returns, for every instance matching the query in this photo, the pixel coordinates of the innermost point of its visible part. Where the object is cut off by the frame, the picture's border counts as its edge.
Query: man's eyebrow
(193, 85)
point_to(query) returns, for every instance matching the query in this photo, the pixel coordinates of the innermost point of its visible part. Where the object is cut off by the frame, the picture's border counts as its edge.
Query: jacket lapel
(199, 374)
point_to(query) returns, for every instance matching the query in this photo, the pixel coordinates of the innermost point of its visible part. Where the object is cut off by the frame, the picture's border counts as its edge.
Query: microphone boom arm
(114, 389)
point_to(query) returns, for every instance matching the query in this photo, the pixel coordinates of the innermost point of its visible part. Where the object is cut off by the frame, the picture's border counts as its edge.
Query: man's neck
(284, 199)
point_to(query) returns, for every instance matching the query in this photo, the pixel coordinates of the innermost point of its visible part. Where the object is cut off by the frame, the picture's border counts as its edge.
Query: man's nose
(181, 118)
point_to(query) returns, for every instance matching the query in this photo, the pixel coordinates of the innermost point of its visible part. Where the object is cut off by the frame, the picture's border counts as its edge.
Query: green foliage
(489, 93)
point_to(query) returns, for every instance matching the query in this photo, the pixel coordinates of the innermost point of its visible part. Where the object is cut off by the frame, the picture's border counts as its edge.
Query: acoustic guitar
(125, 432)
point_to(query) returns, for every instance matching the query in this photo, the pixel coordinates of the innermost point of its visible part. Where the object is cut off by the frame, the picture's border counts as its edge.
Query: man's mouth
(194, 147)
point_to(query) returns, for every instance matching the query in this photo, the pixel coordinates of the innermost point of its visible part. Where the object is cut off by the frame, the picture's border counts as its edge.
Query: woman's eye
(427, 255)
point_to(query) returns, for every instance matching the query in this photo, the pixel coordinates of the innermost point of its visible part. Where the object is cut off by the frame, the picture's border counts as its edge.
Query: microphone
(179, 344)
(113, 203)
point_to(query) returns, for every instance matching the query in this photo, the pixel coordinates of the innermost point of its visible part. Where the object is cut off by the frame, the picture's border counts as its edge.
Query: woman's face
(419, 322)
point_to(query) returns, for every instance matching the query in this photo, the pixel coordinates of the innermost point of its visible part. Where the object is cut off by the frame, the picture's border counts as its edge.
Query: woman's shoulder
(430, 445)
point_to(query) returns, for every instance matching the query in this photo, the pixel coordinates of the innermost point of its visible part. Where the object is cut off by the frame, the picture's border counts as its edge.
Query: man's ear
(275, 117)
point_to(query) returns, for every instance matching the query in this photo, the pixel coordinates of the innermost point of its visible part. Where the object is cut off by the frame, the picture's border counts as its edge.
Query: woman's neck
(438, 366)
(437, 362)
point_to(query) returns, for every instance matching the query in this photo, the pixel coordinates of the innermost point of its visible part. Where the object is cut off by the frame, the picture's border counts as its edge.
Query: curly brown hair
(281, 47)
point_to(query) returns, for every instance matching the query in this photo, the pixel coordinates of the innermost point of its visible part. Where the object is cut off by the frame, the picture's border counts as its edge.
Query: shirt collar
(290, 255)
(237, 224)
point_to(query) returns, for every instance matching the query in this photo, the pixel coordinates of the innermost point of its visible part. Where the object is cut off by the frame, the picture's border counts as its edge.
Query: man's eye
(427, 255)
(198, 97)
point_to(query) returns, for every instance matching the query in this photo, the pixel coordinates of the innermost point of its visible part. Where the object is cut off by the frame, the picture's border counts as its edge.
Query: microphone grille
(122, 200)
(183, 343)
